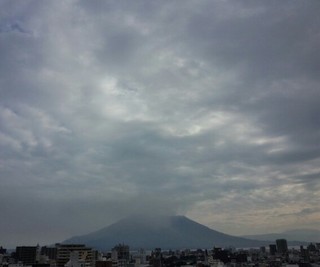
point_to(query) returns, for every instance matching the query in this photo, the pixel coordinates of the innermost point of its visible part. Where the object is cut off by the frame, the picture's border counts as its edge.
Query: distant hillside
(167, 232)
(305, 235)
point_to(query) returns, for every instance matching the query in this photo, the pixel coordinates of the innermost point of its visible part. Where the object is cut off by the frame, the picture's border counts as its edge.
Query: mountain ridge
(298, 235)
(167, 232)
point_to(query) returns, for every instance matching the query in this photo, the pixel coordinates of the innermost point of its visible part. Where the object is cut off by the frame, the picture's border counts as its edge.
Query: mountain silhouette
(167, 232)
(303, 235)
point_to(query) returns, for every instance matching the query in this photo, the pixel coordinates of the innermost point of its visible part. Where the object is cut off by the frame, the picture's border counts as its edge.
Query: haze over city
(208, 109)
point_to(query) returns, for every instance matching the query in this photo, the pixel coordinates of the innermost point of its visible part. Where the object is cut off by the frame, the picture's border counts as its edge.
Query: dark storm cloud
(209, 108)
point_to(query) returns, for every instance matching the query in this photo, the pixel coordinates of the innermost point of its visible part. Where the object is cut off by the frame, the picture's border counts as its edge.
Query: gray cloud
(107, 109)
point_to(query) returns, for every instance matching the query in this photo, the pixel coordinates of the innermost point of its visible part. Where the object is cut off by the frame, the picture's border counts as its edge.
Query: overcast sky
(209, 109)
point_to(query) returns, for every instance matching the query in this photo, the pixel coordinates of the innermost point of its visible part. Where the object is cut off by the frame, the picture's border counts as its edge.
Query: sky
(208, 109)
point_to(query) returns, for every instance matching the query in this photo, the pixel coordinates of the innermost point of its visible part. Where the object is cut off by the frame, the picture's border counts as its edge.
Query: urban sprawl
(79, 255)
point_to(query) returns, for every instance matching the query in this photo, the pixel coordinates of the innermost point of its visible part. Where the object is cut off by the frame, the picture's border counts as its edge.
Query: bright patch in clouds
(210, 109)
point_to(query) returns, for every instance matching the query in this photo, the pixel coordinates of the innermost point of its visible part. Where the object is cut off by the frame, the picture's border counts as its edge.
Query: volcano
(167, 232)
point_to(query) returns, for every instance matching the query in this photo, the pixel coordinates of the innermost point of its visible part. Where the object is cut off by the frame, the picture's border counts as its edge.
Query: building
(156, 258)
(51, 252)
(107, 263)
(272, 249)
(122, 252)
(26, 254)
(121, 255)
(282, 246)
(3, 250)
(85, 254)
(75, 260)
(140, 258)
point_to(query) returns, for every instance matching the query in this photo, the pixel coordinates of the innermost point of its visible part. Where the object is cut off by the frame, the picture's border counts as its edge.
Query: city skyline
(208, 109)
(121, 255)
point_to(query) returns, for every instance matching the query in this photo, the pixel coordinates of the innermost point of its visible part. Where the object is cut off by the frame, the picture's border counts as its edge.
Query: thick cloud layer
(203, 108)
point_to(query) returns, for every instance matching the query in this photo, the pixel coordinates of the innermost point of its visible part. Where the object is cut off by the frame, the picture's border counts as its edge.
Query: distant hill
(167, 232)
(305, 235)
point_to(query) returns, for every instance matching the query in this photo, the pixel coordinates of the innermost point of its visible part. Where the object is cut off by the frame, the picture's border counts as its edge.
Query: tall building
(273, 249)
(122, 252)
(121, 255)
(65, 251)
(156, 257)
(140, 257)
(51, 252)
(3, 250)
(305, 254)
(282, 246)
(26, 254)
(75, 260)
